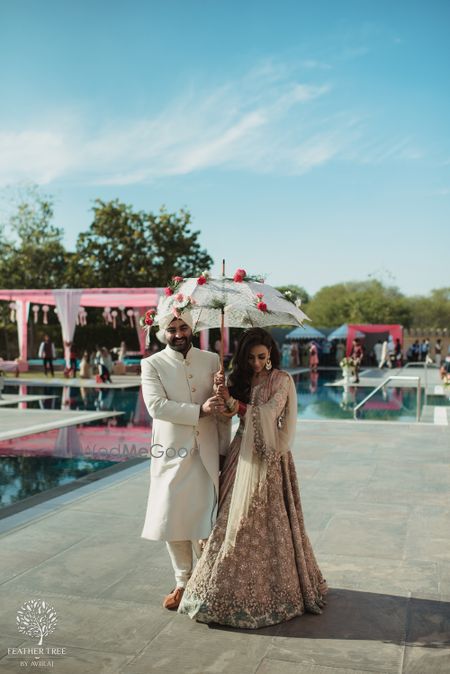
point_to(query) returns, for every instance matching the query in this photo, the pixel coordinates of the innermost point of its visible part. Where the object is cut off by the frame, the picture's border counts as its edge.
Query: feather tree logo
(36, 618)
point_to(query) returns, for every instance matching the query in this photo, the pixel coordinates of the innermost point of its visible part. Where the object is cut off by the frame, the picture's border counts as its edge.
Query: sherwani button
(193, 389)
(190, 376)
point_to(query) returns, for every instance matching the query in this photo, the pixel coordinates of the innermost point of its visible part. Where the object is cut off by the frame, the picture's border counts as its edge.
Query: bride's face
(258, 357)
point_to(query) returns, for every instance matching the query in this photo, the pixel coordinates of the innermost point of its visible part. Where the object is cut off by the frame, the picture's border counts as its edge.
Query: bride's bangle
(231, 410)
(230, 403)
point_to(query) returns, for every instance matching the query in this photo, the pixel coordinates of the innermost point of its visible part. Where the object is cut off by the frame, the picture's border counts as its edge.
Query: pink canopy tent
(396, 331)
(69, 301)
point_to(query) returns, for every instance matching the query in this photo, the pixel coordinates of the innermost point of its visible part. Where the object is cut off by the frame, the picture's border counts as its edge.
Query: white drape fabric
(68, 303)
(23, 309)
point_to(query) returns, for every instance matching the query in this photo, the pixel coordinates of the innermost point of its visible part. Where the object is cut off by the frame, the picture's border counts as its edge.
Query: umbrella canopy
(305, 332)
(239, 302)
(342, 333)
(242, 304)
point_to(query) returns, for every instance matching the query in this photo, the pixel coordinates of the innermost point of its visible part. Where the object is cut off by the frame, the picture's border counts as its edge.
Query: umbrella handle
(222, 330)
(222, 326)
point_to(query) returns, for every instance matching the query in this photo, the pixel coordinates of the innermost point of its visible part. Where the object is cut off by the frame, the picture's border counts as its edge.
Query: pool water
(44, 461)
(317, 400)
(40, 462)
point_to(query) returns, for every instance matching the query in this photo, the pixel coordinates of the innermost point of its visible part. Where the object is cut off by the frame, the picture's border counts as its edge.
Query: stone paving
(377, 508)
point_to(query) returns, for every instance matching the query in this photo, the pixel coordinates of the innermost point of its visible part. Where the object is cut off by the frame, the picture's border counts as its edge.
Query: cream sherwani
(184, 471)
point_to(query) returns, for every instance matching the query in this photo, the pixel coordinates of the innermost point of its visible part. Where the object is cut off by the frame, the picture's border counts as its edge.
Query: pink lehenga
(258, 567)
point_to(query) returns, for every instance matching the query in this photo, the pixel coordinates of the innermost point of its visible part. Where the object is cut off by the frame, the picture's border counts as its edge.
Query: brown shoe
(172, 601)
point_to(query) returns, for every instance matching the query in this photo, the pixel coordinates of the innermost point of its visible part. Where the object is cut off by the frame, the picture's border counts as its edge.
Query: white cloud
(240, 125)
(267, 121)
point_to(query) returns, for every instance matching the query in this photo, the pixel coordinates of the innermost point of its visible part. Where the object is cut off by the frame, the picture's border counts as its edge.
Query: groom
(187, 437)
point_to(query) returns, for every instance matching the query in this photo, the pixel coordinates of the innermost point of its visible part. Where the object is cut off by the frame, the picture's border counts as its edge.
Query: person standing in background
(313, 357)
(398, 353)
(377, 350)
(357, 355)
(48, 354)
(438, 352)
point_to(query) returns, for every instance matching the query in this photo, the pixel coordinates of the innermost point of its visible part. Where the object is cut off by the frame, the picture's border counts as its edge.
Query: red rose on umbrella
(201, 280)
(168, 292)
(239, 275)
(262, 306)
(177, 279)
(148, 320)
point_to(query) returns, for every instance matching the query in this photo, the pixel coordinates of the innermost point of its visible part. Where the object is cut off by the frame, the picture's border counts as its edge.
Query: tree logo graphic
(36, 619)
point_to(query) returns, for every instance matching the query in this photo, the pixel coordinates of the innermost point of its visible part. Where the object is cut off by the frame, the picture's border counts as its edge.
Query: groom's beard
(182, 344)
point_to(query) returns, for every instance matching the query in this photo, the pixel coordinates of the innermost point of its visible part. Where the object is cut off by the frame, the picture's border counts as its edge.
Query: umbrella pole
(222, 326)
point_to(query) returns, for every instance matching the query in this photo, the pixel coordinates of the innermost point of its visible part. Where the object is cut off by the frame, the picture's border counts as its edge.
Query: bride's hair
(239, 380)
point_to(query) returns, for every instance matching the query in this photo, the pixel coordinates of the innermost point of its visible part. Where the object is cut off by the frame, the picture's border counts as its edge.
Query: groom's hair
(241, 374)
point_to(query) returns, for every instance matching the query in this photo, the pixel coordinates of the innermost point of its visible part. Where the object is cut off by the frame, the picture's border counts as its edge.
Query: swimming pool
(319, 399)
(53, 460)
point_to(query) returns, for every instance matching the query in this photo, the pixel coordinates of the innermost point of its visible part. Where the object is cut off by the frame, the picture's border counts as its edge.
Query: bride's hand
(219, 378)
(223, 392)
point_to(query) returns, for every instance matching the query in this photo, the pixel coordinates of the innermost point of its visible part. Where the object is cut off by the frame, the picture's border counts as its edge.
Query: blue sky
(310, 140)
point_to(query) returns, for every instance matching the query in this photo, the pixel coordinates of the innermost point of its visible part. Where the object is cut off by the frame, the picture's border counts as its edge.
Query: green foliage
(136, 249)
(359, 302)
(432, 311)
(33, 256)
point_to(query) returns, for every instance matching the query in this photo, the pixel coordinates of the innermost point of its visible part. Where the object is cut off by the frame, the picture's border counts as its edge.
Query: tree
(137, 249)
(359, 302)
(432, 311)
(33, 255)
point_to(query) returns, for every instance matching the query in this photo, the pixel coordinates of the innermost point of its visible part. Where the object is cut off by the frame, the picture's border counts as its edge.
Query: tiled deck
(17, 423)
(377, 507)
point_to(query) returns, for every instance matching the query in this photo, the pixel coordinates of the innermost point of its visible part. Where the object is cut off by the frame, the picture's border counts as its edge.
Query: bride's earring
(268, 364)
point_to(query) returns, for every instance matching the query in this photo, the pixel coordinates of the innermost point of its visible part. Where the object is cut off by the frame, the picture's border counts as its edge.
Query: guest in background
(424, 348)
(48, 354)
(85, 366)
(377, 349)
(313, 357)
(438, 352)
(122, 352)
(398, 353)
(415, 351)
(73, 360)
(445, 370)
(105, 365)
(357, 355)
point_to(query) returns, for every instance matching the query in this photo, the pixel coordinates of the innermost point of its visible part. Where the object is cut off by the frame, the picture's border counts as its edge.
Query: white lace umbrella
(224, 302)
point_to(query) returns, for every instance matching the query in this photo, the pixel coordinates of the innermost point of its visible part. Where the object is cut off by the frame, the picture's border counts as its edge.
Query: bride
(257, 567)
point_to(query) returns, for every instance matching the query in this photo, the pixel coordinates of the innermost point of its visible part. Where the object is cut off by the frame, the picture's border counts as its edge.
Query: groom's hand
(213, 405)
